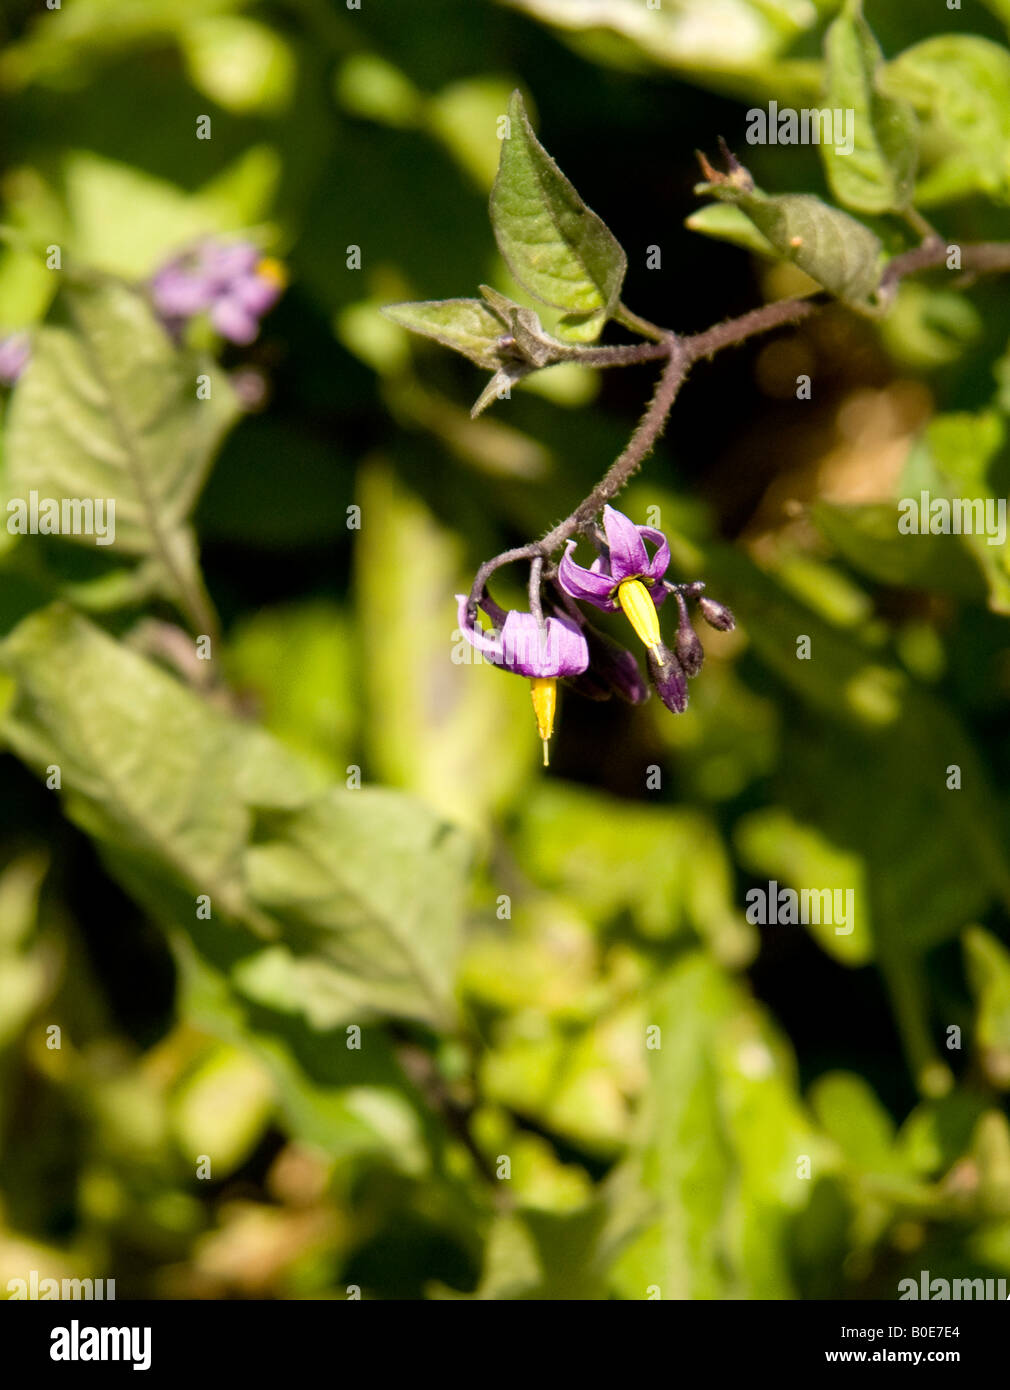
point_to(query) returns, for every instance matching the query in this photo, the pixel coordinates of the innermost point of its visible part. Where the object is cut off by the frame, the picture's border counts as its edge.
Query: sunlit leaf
(877, 174)
(108, 409)
(556, 247)
(961, 86)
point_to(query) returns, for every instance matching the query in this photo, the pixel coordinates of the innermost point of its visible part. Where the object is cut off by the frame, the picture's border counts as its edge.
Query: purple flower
(527, 649)
(625, 577)
(230, 281)
(15, 351)
(627, 560)
(522, 646)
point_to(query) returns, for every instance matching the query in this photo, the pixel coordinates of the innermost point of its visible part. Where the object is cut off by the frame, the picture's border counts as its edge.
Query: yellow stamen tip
(640, 611)
(544, 690)
(547, 761)
(272, 270)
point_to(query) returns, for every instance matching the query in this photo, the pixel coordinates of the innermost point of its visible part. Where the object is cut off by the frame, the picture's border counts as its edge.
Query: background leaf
(553, 244)
(109, 409)
(878, 174)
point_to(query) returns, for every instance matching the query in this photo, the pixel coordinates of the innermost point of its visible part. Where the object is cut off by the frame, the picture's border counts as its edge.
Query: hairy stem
(679, 354)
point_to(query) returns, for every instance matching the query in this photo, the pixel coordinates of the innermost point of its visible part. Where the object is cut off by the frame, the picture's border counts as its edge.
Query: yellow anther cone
(545, 701)
(640, 611)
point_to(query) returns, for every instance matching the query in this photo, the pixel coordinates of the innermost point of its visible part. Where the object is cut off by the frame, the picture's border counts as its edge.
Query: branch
(639, 446)
(680, 353)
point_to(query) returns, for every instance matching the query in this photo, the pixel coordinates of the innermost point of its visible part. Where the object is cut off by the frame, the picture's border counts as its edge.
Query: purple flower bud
(669, 679)
(716, 614)
(15, 351)
(614, 667)
(690, 652)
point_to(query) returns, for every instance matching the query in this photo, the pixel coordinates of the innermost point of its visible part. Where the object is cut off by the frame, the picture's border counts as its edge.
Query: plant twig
(680, 353)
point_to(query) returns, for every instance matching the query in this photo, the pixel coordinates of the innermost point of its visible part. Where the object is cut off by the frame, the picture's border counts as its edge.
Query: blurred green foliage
(466, 960)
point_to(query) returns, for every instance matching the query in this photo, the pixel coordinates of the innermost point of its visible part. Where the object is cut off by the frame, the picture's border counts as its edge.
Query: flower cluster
(230, 281)
(15, 350)
(624, 577)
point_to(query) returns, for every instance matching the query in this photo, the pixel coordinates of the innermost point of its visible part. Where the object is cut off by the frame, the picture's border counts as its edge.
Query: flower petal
(628, 556)
(526, 649)
(588, 586)
(255, 293)
(557, 649)
(179, 293)
(660, 561)
(488, 643)
(233, 321)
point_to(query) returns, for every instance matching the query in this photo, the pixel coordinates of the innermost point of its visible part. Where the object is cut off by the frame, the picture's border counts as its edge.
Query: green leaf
(878, 174)
(344, 1100)
(728, 223)
(146, 767)
(988, 963)
(24, 977)
(431, 709)
(363, 886)
(851, 1114)
(796, 854)
(922, 887)
(734, 46)
(499, 387)
(961, 455)
(371, 882)
(465, 325)
(127, 222)
(580, 1083)
(869, 539)
(961, 86)
(108, 409)
(241, 64)
(297, 661)
(556, 248)
(830, 246)
(928, 326)
(482, 333)
(722, 1129)
(546, 1255)
(221, 1107)
(665, 867)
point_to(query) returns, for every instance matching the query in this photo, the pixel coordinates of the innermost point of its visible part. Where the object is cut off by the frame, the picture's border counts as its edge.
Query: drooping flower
(625, 577)
(15, 350)
(230, 281)
(519, 644)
